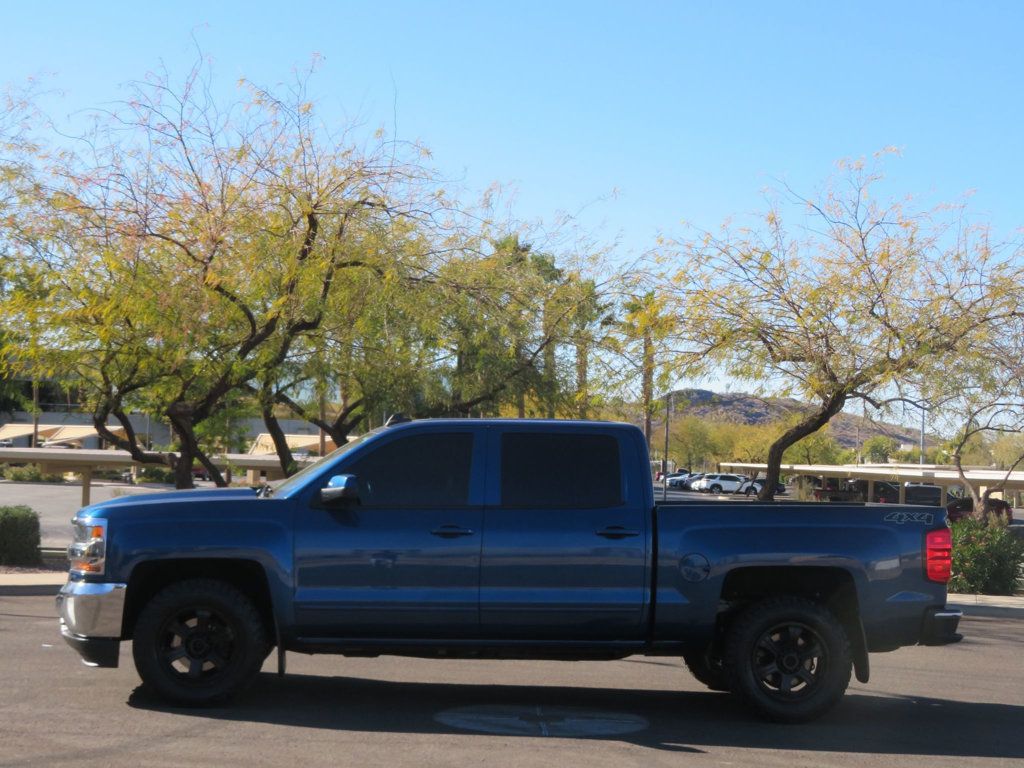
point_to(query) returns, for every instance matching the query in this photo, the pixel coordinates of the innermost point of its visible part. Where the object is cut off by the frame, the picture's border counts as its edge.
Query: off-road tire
(198, 642)
(788, 659)
(708, 669)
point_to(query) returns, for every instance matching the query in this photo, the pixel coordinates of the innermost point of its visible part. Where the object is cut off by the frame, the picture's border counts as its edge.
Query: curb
(979, 605)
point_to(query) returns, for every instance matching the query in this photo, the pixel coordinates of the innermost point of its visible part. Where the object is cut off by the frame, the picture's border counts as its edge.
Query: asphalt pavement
(958, 705)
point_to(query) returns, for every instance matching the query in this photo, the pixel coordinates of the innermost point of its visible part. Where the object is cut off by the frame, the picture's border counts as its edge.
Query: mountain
(848, 429)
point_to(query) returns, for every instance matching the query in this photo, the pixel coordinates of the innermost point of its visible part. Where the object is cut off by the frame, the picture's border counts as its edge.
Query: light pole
(924, 410)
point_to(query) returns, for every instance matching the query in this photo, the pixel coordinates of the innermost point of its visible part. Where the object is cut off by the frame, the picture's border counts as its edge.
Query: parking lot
(958, 705)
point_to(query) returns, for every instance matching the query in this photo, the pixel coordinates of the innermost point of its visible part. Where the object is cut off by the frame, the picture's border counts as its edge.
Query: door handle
(451, 531)
(617, 532)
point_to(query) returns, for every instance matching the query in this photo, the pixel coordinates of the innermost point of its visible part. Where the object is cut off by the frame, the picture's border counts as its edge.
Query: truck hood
(171, 497)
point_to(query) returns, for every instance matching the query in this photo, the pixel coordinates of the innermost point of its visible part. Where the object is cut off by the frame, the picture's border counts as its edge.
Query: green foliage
(1006, 450)
(913, 455)
(30, 473)
(817, 448)
(987, 557)
(19, 536)
(154, 474)
(878, 449)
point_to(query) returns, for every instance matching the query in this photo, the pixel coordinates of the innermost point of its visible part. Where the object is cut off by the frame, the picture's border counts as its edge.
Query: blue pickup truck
(503, 539)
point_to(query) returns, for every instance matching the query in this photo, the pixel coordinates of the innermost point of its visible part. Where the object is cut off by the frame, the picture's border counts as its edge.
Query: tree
(981, 405)
(192, 246)
(644, 327)
(878, 449)
(817, 448)
(864, 298)
(690, 441)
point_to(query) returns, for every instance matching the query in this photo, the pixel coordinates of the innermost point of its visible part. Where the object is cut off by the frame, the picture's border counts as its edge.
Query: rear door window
(564, 470)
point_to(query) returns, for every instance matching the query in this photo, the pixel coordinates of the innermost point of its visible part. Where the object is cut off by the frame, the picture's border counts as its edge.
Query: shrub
(19, 536)
(31, 473)
(987, 557)
(156, 474)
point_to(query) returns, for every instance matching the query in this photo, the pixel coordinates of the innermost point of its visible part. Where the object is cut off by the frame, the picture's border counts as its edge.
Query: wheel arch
(248, 576)
(832, 587)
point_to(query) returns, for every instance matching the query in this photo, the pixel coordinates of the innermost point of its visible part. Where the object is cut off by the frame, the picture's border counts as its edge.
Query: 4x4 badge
(909, 517)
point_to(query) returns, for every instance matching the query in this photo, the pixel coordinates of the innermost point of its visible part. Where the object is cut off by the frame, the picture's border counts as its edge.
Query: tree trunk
(284, 452)
(582, 369)
(550, 378)
(807, 426)
(647, 384)
(180, 416)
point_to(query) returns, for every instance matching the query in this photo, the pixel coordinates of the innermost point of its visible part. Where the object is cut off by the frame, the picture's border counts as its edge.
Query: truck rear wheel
(788, 658)
(199, 642)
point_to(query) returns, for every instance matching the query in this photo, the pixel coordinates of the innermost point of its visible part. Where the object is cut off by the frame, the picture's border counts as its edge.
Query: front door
(403, 562)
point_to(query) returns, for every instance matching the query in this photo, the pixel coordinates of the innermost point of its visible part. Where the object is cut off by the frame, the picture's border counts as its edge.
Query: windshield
(282, 488)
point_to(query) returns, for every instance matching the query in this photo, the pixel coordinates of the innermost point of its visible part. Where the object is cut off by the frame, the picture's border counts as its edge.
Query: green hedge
(156, 474)
(987, 557)
(19, 536)
(30, 473)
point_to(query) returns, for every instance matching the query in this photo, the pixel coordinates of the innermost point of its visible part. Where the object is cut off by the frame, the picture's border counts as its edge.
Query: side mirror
(340, 488)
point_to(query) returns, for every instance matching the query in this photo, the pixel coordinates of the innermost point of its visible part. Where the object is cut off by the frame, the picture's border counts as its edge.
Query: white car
(751, 487)
(718, 483)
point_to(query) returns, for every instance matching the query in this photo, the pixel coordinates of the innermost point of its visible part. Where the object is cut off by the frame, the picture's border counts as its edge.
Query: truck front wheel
(788, 658)
(707, 668)
(198, 642)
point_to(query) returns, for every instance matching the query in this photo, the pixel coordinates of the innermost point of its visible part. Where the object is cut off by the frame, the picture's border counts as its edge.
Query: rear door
(565, 537)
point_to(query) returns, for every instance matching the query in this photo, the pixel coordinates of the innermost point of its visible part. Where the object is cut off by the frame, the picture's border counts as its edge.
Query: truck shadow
(675, 721)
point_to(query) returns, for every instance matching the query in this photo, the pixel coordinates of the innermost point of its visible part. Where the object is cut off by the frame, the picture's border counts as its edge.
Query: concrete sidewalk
(50, 582)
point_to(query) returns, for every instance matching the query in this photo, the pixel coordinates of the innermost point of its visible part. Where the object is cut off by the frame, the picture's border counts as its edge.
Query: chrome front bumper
(90, 620)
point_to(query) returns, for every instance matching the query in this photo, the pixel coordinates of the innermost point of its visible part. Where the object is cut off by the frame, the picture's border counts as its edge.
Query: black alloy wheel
(199, 642)
(788, 658)
(196, 643)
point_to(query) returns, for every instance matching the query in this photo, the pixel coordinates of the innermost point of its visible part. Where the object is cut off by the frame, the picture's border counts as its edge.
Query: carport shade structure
(16, 431)
(264, 444)
(930, 474)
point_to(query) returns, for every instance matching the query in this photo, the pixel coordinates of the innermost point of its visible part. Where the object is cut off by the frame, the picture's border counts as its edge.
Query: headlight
(88, 553)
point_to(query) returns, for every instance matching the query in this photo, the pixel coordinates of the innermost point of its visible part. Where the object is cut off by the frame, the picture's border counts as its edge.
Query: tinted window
(429, 470)
(560, 470)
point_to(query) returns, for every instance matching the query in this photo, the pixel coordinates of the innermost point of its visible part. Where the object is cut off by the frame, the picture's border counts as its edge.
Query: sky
(637, 119)
(632, 117)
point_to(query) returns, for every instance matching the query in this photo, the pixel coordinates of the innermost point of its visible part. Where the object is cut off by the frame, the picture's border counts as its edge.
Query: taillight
(938, 551)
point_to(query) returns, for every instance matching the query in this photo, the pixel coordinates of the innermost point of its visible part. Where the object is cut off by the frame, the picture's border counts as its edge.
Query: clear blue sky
(687, 109)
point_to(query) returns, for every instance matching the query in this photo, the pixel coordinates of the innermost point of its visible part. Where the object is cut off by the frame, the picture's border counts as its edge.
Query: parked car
(750, 487)
(922, 493)
(716, 483)
(780, 604)
(960, 508)
(680, 480)
(672, 476)
(686, 483)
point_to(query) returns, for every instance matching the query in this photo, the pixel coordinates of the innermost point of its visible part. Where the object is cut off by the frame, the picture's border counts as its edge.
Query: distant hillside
(847, 429)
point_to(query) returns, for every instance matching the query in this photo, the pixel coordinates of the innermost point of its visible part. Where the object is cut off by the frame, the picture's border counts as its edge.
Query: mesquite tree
(863, 297)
